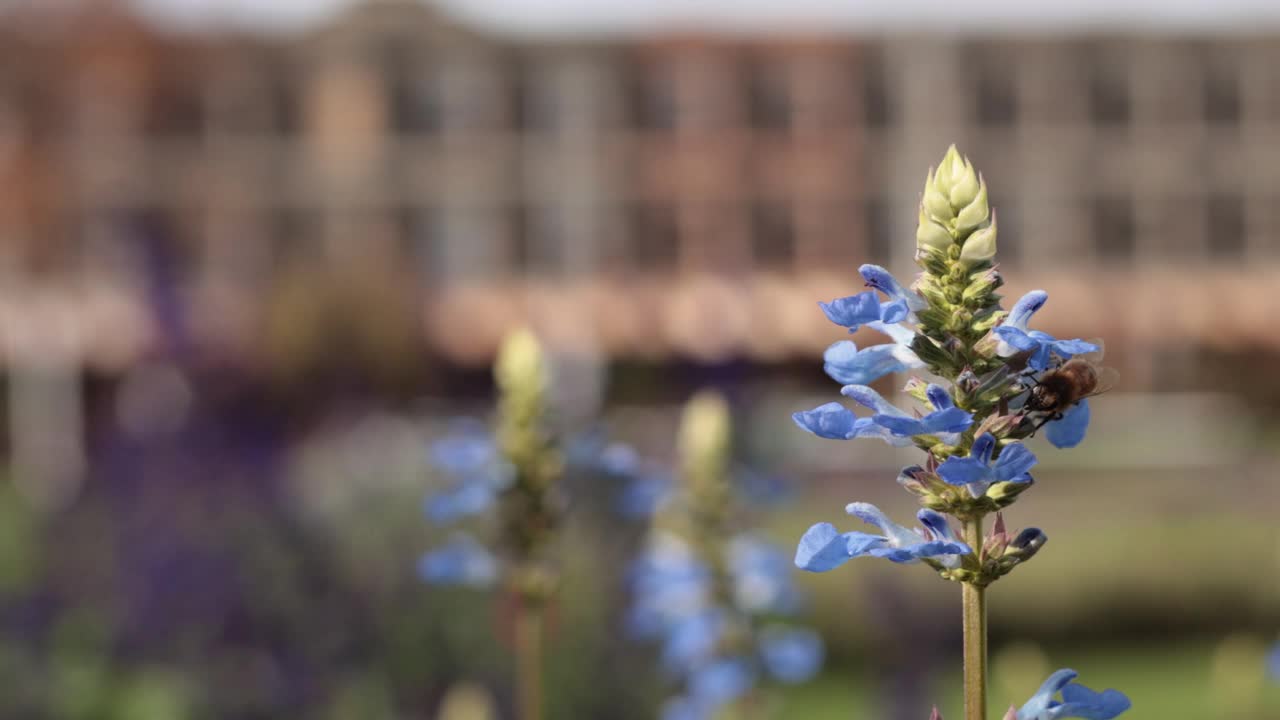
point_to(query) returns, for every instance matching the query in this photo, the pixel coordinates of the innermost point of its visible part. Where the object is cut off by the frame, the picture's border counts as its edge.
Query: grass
(1218, 680)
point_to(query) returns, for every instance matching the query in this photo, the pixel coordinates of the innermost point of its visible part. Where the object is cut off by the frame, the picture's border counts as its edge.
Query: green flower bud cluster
(956, 247)
(530, 507)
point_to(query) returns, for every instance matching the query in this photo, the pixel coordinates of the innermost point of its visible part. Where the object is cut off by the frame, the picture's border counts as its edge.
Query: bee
(1057, 390)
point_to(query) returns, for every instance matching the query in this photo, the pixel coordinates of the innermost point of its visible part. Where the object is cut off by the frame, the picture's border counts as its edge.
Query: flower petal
(1038, 706)
(463, 561)
(791, 655)
(1026, 306)
(832, 421)
(853, 311)
(964, 471)
(1014, 462)
(1079, 701)
(882, 280)
(867, 397)
(848, 365)
(1069, 430)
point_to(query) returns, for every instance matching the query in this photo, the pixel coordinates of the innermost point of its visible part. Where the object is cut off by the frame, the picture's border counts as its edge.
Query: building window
(1113, 227)
(879, 231)
(413, 94)
(996, 94)
(772, 235)
(1108, 94)
(877, 102)
(1226, 228)
(653, 98)
(1221, 97)
(654, 238)
(769, 96)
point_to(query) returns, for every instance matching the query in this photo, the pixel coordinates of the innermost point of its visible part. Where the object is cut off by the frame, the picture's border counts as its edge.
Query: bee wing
(1107, 379)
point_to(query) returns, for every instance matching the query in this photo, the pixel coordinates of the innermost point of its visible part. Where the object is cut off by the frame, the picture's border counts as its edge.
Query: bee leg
(1044, 421)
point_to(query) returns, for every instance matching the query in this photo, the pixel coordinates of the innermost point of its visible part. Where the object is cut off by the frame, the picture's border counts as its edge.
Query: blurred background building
(684, 195)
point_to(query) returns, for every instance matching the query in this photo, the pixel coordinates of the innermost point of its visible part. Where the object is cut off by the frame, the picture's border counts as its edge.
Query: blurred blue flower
(1069, 430)
(824, 548)
(1273, 663)
(946, 418)
(978, 471)
(462, 561)
(790, 655)
(761, 576)
(645, 487)
(1077, 701)
(475, 468)
(1014, 337)
(669, 584)
(710, 688)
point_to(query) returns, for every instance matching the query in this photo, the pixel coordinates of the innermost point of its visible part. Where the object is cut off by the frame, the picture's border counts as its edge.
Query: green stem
(975, 634)
(528, 633)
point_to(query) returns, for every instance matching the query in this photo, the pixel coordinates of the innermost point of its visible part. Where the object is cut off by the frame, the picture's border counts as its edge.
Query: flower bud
(935, 715)
(1028, 543)
(982, 285)
(1012, 714)
(974, 213)
(704, 439)
(931, 234)
(521, 365)
(936, 204)
(1004, 493)
(980, 248)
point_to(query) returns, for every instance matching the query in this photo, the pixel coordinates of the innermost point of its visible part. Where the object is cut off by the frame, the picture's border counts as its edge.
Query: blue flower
(905, 301)
(645, 488)
(854, 311)
(1077, 701)
(978, 471)
(836, 422)
(711, 688)
(462, 561)
(761, 576)
(790, 655)
(846, 364)
(824, 548)
(1273, 663)
(1014, 337)
(669, 583)
(477, 471)
(946, 417)
(865, 308)
(1069, 430)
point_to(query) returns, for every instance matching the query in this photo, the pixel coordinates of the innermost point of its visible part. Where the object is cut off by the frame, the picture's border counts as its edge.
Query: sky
(754, 16)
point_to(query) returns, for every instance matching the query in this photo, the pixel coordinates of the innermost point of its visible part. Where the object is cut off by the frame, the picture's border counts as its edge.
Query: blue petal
(692, 640)
(984, 446)
(761, 576)
(1067, 348)
(463, 561)
(853, 311)
(722, 681)
(913, 553)
(1038, 706)
(882, 280)
(848, 365)
(643, 495)
(467, 447)
(869, 398)
(1017, 338)
(939, 397)
(1069, 430)
(1026, 306)
(963, 471)
(821, 548)
(469, 497)
(936, 523)
(620, 459)
(1015, 460)
(1079, 701)
(949, 420)
(897, 333)
(791, 655)
(894, 312)
(832, 421)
